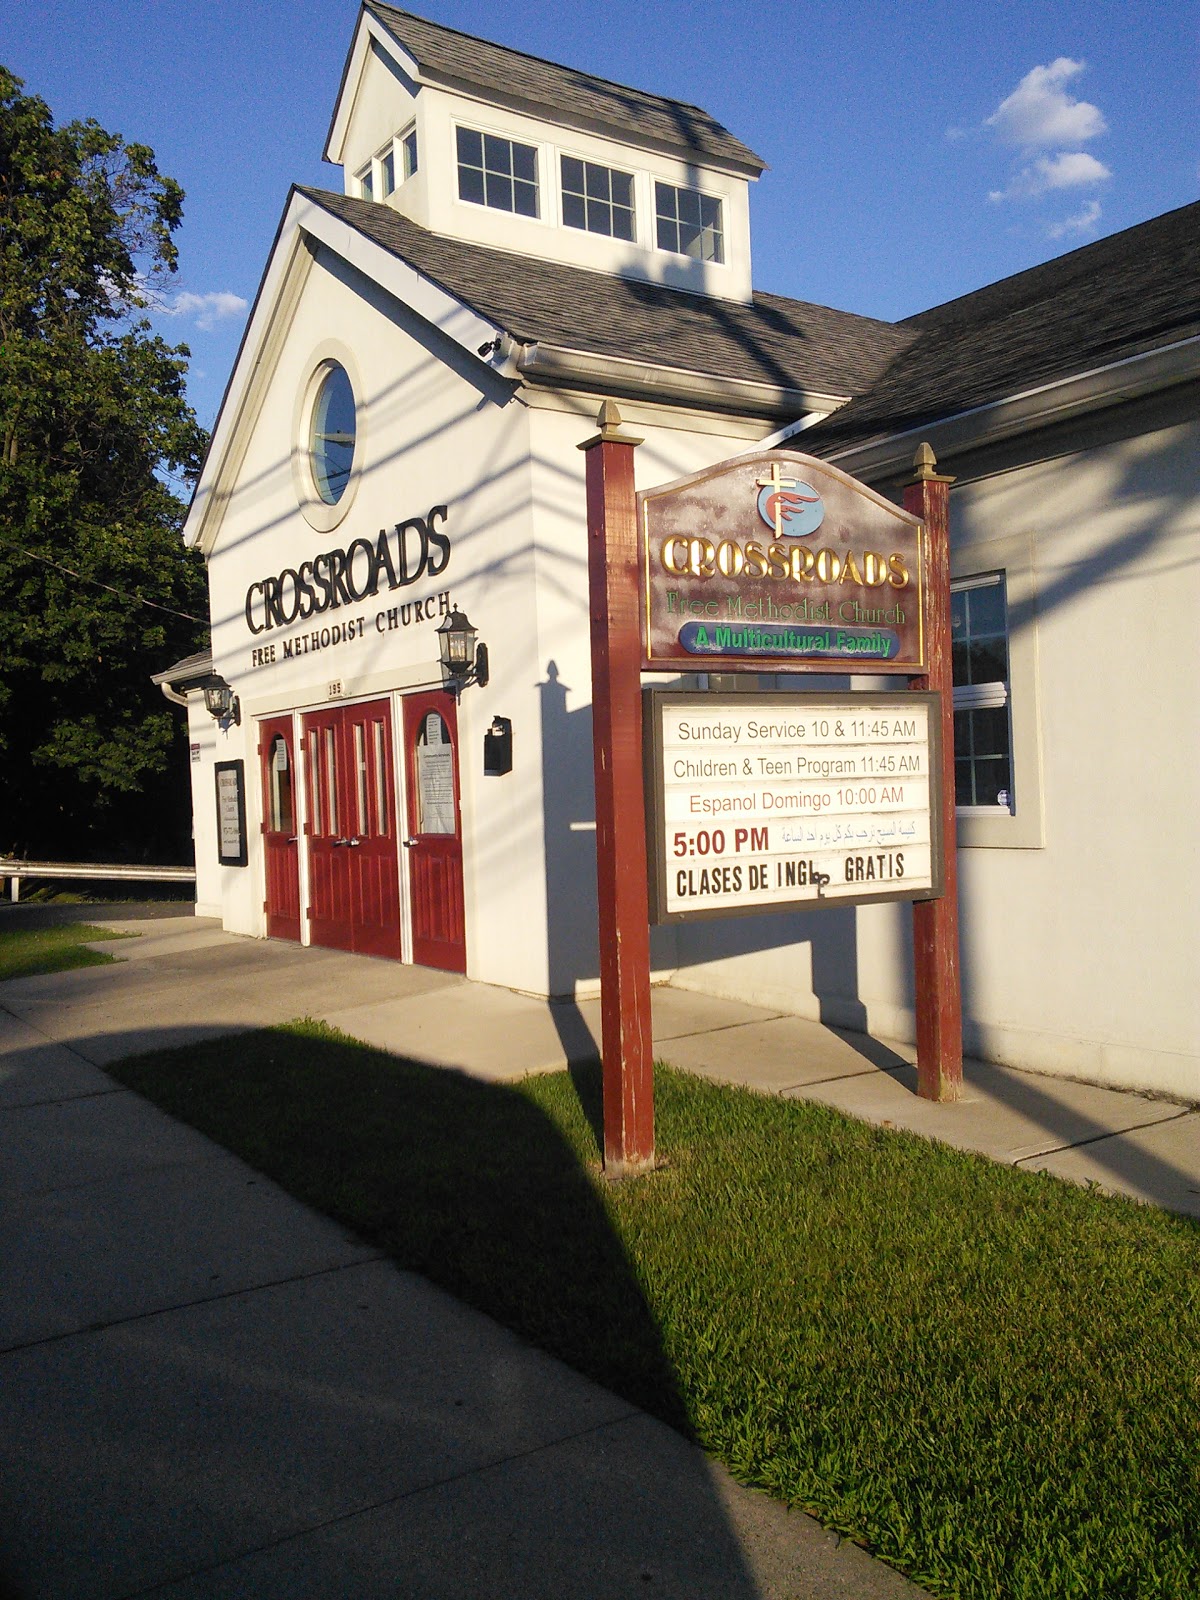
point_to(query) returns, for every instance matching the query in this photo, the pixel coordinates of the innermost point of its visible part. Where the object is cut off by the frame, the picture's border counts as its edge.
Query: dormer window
(497, 172)
(397, 159)
(688, 223)
(597, 199)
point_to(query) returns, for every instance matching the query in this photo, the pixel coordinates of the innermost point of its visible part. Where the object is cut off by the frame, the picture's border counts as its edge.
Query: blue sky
(915, 151)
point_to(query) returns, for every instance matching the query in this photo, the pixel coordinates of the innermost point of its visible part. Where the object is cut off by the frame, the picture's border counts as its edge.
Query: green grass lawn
(27, 951)
(988, 1377)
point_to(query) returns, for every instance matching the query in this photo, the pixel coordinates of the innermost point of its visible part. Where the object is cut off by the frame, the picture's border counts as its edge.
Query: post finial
(924, 463)
(611, 429)
(608, 419)
(925, 467)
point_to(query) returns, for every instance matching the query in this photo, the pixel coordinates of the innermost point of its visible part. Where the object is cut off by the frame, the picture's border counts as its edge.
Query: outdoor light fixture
(463, 661)
(221, 703)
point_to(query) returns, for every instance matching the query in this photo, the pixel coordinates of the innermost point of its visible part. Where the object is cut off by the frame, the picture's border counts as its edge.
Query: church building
(513, 242)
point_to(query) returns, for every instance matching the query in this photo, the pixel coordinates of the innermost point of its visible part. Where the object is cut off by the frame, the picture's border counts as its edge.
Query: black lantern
(463, 661)
(221, 702)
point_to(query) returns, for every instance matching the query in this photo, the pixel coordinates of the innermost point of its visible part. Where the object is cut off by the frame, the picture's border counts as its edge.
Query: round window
(331, 441)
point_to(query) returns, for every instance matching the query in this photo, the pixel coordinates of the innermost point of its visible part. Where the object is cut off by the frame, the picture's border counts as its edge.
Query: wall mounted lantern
(221, 703)
(463, 661)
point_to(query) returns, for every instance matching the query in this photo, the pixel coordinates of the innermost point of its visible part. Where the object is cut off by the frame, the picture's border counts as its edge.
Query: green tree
(96, 590)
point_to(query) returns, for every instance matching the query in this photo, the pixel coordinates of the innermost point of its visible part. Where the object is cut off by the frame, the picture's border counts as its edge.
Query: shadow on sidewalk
(309, 1425)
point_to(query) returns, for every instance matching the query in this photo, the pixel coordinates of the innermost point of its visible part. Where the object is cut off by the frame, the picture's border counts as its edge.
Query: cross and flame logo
(791, 508)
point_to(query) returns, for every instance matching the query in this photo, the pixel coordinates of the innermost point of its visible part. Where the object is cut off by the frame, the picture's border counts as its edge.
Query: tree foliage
(94, 426)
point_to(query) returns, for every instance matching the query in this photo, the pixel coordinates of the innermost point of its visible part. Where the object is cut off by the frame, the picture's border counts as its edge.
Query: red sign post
(626, 1042)
(872, 595)
(935, 922)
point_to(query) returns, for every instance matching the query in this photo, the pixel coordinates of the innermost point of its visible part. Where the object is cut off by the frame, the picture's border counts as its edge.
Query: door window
(331, 786)
(383, 814)
(360, 782)
(435, 776)
(282, 810)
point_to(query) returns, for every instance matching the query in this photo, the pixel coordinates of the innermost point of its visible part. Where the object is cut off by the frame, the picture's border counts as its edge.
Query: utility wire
(122, 594)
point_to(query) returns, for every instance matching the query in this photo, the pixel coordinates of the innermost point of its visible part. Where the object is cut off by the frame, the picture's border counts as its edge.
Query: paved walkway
(208, 1391)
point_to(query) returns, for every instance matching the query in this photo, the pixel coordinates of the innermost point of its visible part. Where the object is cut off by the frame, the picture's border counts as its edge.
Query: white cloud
(207, 309)
(1069, 169)
(1082, 222)
(1039, 112)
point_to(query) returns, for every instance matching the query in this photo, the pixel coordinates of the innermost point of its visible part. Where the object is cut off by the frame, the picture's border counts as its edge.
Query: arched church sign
(780, 563)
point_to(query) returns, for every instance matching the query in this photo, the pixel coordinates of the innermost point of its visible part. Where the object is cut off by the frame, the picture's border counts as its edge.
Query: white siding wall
(672, 447)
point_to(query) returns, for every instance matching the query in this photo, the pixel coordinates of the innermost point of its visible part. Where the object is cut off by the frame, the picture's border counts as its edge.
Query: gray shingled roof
(575, 97)
(1135, 291)
(786, 343)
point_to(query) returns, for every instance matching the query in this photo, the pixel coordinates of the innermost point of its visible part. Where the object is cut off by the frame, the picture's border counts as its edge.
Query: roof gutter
(189, 674)
(1026, 412)
(558, 364)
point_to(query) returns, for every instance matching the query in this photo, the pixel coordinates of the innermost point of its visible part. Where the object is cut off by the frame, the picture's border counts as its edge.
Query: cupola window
(688, 223)
(597, 199)
(496, 172)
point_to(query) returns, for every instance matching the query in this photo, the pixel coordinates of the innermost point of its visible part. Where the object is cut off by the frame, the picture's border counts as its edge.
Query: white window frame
(539, 149)
(372, 170)
(401, 147)
(561, 155)
(1022, 827)
(991, 696)
(705, 194)
(318, 513)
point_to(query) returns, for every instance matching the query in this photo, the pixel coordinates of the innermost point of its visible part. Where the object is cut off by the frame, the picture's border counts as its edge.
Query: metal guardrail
(113, 871)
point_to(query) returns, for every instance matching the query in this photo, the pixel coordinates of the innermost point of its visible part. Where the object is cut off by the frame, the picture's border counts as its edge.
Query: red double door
(351, 833)
(353, 880)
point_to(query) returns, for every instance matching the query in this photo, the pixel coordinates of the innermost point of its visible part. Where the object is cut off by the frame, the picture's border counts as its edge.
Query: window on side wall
(597, 199)
(498, 173)
(688, 223)
(408, 154)
(366, 181)
(387, 173)
(983, 744)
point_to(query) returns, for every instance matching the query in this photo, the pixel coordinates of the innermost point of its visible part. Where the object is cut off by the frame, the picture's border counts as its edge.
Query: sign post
(935, 922)
(626, 1042)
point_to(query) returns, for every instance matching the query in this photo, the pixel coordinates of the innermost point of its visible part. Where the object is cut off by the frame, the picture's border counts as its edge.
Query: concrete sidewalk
(207, 1390)
(183, 976)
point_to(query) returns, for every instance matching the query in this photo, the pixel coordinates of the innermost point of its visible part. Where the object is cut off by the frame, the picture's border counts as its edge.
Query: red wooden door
(280, 848)
(371, 847)
(353, 889)
(434, 838)
(329, 920)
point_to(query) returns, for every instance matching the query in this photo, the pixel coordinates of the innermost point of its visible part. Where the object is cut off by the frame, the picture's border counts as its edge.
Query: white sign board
(758, 802)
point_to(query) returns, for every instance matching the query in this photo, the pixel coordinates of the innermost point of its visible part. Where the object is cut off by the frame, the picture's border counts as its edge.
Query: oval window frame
(318, 512)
